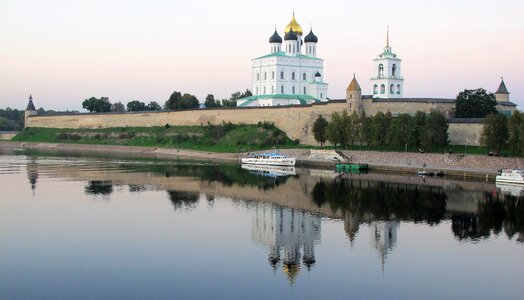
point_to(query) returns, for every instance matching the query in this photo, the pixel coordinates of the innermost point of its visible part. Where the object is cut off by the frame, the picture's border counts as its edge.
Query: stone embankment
(451, 164)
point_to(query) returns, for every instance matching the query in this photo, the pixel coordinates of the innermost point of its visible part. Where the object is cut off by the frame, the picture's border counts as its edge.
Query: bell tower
(387, 81)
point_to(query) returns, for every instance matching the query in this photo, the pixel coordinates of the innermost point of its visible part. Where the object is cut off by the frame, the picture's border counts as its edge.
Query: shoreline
(475, 166)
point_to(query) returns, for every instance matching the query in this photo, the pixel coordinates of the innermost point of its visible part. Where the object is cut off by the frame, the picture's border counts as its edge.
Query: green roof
(282, 53)
(301, 98)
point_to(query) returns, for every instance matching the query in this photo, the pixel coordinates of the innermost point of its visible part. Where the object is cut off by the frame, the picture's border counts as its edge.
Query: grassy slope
(221, 138)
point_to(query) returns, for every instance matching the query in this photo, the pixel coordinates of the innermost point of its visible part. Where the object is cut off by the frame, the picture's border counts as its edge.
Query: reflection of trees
(183, 200)
(363, 199)
(495, 214)
(99, 188)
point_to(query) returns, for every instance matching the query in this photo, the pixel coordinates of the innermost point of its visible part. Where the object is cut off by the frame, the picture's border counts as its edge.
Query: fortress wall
(296, 121)
(372, 108)
(465, 133)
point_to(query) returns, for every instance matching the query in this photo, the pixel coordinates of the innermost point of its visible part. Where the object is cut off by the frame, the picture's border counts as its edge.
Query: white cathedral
(288, 76)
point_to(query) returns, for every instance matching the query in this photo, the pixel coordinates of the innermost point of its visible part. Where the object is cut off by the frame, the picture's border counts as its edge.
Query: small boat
(274, 159)
(350, 167)
(425, 173)
(515, 176)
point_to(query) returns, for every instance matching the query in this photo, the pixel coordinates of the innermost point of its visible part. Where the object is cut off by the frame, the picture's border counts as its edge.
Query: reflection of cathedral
(384, 237)
(286, 231)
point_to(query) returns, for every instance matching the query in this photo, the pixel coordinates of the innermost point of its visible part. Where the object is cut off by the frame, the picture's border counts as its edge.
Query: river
(74, 227)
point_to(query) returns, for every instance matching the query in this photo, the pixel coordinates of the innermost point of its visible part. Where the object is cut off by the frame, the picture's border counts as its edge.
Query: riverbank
(478, 166)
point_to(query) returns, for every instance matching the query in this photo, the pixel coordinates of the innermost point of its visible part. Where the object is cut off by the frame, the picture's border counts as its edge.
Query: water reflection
(290, 235)
(183, 200)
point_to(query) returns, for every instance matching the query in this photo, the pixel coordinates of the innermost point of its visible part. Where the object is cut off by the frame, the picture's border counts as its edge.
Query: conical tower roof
(353, 85)
(502, 88)
(30, 105)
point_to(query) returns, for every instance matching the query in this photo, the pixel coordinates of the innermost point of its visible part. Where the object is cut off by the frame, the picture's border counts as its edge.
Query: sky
(63, 52)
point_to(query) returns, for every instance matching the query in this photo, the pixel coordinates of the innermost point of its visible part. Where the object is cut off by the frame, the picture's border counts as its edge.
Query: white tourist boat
(270, 171)
(513, 176)
(274, 159)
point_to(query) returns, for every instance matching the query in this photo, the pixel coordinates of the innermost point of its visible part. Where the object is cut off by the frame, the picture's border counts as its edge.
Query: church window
(265, 75)
(282, 89)
(382, 89)
(264, 89)
(293, 76)
(304, 76)
(380, 70)
(393, 70)
(392, 89)
(272, 74)
(272, 89)
(256, 91)
(293, 89)
(321, 96)
(281, 74)
(304, 90)
(398, 88)
(258, 76)
(375, 87)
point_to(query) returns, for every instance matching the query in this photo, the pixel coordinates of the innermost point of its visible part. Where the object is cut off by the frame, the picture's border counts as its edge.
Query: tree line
(383, 130)
(500, 132)
(177, 101)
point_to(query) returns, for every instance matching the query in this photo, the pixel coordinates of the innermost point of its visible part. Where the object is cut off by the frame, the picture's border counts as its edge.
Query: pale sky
(63, 52)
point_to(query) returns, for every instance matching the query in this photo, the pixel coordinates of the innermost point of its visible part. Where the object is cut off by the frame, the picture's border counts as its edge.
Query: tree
(495, 132)
(475, 104)
(153, 105)
(355, 122)
(419, 124)
(189, 101)
(401, 131)
(97, 105)
(238, 95)
(228, 103)
(179, 101)
(211, 102)
(435, 131)
(118, 107)
(319, 130)
(514, 128)
(333, 129)
(381, 122)
(4, 124)
(136, 105)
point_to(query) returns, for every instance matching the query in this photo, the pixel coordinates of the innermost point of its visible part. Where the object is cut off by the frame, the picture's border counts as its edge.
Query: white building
(387, 82)
(287, 76)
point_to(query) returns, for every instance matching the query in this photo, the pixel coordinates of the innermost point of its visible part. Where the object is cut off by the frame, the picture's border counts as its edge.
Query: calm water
(94, 228)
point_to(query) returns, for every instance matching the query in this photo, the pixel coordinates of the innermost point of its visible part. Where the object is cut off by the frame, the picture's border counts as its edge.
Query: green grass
(215, 138)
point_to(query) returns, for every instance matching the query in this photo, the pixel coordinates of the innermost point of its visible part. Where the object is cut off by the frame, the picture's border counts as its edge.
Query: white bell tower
(387, 81)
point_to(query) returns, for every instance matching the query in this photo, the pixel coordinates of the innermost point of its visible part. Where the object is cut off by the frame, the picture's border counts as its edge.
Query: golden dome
(294, 25)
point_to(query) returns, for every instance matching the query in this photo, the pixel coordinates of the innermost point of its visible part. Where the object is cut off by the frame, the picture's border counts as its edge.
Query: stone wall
(296, 121)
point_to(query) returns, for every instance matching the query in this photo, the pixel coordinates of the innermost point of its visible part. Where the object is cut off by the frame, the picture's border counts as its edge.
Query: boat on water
(274, 159)
(513, 176)
(350, 167)
(270, 171)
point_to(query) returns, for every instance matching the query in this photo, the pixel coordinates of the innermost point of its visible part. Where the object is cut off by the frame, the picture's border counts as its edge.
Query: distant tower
(502, 93)
(387, 82)
(29, 111)
(354, 96)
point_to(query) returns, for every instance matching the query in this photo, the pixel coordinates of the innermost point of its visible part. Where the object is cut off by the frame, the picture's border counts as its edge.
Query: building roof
(275, 38)
(502, 88)
(293, 26)
(311, 37)
(283, 54)
(290, 35)
(301, 98)
(353, 85)
(30, 105)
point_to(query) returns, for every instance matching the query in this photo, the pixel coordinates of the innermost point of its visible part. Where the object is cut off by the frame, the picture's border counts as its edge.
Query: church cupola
(502, 93)
(291, 42)
(275, 41)
(294, 27)
(311, 41)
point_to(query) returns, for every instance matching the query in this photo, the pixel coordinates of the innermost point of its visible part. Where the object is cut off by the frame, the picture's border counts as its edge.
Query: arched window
(304, 90)
(382, 89)
(256, 90)
(380, 70)
(265, 75)
(264, 89)
(392, 89)
(281, 74)
(375, 87)
(394, 70)
(258, 76)
(293, 89)
(321, 96)
(398, 88)
(304, 76)
(293, 76)
(272, 89)
(272, 74)
(282, 89)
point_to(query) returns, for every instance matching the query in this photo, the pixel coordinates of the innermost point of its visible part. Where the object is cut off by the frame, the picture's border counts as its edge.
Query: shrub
(75, 137)
(62, 136)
